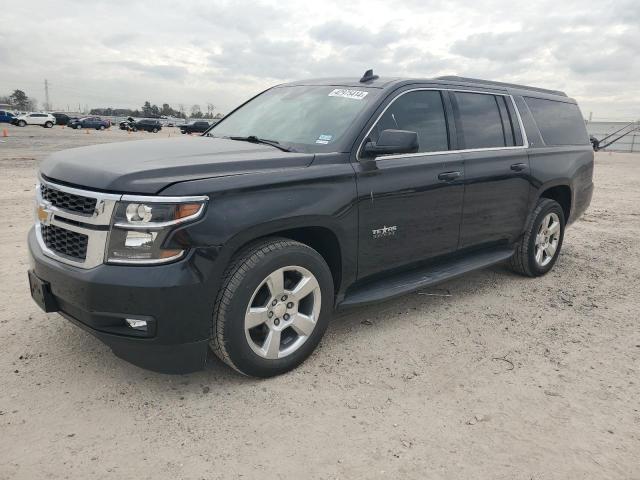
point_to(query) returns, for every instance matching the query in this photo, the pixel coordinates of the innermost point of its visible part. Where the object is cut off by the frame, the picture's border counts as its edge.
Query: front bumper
(176, 299)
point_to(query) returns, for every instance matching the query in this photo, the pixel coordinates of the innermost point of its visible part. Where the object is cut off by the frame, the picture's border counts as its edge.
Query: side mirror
(392, 142)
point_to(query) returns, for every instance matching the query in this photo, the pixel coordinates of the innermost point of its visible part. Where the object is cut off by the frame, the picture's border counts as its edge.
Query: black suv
(195, 127)
(62, 118)
(310, 197)
(147, 125)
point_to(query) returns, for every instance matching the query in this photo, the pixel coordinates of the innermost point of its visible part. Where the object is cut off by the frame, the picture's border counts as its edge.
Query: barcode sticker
(344, 93)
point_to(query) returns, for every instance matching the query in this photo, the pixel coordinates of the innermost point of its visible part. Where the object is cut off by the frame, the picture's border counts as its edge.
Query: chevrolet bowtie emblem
(44, 215)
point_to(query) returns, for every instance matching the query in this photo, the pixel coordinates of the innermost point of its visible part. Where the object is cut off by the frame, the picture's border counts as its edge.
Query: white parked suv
(43, 119)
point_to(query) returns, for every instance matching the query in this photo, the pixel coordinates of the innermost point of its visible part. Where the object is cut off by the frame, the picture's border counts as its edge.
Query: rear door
(497, 173)
(410, 205)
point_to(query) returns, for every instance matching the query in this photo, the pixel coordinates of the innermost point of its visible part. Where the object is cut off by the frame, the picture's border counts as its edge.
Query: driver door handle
(518, 167)
(449, 176)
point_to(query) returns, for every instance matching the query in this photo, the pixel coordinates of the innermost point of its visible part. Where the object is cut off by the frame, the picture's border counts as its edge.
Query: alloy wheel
(547, 239)
(283, 312)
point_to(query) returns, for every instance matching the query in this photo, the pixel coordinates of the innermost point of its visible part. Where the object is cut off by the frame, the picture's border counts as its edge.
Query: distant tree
(166, 110)
(146, 109)
(195, 111)
(21, 101)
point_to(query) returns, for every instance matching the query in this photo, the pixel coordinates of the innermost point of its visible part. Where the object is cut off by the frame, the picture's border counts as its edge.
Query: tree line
(153, 111)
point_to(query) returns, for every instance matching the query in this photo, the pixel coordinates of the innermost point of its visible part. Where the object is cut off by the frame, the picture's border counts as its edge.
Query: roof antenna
(368, 76)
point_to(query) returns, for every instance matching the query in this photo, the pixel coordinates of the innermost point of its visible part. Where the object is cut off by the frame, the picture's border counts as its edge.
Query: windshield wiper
(254, 139)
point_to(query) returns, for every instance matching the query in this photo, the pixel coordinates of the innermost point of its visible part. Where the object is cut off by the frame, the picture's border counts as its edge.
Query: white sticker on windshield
(344, 93)
(324, 139)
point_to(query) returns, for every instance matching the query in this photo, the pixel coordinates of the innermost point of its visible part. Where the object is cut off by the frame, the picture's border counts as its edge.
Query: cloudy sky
(121, 53)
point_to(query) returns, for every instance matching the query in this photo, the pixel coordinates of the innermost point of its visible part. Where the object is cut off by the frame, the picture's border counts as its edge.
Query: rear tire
(78, 126)
(155, 130)
(101, 127)
(274, 290)
(22, 123)
(537, 252)
(48, 125)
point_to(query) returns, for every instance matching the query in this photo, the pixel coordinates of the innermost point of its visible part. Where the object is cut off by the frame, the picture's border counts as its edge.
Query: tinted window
(422, 112)
(480, 120)
(560, 123)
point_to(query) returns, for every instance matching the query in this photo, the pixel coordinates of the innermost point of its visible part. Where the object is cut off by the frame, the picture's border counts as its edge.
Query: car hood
(148, 166)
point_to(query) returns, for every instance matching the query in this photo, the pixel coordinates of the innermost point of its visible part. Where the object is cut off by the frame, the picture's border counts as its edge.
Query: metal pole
(46, 95)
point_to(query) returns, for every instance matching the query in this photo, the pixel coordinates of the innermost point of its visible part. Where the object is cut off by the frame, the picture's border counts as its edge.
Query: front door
(410, 205)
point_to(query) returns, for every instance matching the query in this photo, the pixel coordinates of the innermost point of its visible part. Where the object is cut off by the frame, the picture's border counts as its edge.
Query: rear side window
(481, 120)
(422, 112)
(559, 123)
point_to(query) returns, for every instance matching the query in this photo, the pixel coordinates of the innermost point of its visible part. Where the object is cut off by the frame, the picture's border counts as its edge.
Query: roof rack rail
(455, 78)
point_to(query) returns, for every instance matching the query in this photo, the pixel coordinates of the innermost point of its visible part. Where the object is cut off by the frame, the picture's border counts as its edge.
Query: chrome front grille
(68, 201)
(72, 225)
(65, 242)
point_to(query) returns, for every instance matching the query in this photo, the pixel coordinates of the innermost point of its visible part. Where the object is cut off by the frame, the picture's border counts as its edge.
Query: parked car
(309, 198)
(6, 116)
(146, 124)
(90, 122)
(195, 127)
(127, 124)
(34, 118)
(62, 118)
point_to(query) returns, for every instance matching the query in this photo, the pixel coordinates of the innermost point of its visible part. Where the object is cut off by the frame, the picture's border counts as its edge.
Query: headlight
(141, 225)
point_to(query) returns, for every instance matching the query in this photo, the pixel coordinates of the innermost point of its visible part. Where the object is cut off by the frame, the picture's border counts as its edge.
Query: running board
(406, 282)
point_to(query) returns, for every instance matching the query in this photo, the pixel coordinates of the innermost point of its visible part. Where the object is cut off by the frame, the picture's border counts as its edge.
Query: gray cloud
(340, 33)
(167, 72)
(119, 53)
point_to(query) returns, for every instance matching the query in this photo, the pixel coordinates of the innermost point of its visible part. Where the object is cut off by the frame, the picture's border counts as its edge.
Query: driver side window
(420, 111)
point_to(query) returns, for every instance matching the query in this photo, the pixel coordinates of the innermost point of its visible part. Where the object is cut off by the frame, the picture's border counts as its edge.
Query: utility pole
(47, 105)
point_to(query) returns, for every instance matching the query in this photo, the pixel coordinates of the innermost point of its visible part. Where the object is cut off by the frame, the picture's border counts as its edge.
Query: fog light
(136, 324)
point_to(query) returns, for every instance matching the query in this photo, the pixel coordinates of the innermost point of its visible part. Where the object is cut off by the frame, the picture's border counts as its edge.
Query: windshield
(301, 117)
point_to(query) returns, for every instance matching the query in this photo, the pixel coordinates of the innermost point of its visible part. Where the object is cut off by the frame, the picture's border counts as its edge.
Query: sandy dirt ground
(491, 376)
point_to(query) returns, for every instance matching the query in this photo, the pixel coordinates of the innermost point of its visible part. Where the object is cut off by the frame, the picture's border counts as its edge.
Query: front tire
(78, 126)
(48, 125)
(537, 252)
(273, 307)
(22, 123)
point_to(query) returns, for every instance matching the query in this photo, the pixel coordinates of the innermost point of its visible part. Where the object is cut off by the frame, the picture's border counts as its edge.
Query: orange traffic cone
(5, 133)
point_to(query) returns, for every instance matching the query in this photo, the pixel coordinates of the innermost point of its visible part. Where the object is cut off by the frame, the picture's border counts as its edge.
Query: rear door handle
(448, 176)
(518, 167)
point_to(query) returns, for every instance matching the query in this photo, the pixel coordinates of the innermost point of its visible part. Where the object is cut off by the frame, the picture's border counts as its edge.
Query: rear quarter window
(560, 123)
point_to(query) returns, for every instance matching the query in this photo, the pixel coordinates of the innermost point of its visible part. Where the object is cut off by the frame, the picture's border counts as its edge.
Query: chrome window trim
(102, 216)
(525, 140)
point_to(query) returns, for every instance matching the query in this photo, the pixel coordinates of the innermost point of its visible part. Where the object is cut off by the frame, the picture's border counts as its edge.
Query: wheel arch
(562, 194)
(321, 237)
